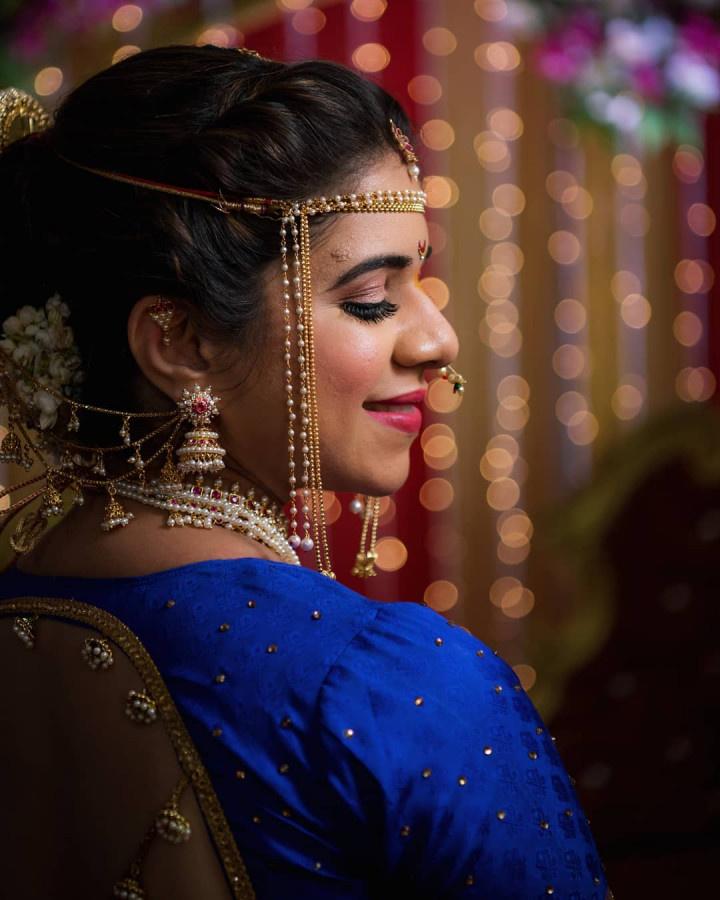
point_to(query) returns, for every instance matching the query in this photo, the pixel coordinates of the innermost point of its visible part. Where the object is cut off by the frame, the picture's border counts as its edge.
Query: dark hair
(199, 117)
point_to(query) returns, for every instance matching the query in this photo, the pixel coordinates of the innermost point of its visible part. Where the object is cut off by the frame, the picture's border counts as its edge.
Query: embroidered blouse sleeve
(432, 746)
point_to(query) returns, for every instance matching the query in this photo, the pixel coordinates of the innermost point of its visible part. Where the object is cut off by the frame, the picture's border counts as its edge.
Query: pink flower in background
(633, 66)
(701, 36)
(648, 82)
(563, 55)
(559, 63)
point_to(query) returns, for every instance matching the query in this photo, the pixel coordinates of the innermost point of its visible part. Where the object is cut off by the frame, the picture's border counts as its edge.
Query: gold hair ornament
(20, 114)
(407, 151)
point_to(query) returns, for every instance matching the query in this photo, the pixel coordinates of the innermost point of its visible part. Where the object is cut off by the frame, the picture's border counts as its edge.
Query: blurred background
(566, 509)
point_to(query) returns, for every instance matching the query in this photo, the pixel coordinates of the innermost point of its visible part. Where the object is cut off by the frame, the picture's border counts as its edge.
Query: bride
(211, 310)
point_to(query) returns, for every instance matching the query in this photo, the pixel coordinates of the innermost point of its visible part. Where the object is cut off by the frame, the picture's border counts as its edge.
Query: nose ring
(455, 379)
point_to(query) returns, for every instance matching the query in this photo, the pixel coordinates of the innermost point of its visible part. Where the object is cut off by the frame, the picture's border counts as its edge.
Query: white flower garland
(40, 341)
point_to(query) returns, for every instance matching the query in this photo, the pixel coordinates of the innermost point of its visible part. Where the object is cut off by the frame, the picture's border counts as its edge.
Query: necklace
(202, 506)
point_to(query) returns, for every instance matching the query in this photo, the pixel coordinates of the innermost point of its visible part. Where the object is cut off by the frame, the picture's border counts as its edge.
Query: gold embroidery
(97, 653)
(185, 750)
(128, 889)
(24, 628)
(140, 707)
(170, 825)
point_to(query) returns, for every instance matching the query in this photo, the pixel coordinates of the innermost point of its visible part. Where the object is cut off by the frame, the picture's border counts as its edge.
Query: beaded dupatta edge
(187, 755)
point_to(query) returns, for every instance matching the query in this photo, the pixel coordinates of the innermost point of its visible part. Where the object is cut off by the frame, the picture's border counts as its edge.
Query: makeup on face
(403, 411)
(394, 261)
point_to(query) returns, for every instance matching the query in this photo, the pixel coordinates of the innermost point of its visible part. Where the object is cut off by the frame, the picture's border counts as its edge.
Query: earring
(200, 451)
(161, 312)
(455, 379)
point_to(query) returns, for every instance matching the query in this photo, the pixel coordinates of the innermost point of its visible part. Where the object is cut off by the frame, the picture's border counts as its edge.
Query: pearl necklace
(202, 506)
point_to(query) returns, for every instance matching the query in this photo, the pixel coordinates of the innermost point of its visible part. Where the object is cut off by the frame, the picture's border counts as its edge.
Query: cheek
(350, 362)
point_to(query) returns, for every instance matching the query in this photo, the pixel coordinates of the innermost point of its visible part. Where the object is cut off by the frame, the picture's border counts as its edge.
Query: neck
(235, 472)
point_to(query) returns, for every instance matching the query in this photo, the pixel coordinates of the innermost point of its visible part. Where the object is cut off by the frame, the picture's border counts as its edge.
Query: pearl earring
(161, 312)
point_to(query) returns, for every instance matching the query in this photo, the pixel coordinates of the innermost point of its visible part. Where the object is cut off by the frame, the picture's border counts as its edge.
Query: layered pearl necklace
(202, 506)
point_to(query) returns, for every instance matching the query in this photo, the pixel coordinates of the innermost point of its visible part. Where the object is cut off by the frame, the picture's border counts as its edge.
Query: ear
(170, 367)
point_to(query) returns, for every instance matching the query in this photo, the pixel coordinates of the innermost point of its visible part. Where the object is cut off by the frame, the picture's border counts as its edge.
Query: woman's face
(376, 332)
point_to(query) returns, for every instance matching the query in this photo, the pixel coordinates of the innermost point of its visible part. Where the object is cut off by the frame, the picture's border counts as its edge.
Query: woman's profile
(211, 309)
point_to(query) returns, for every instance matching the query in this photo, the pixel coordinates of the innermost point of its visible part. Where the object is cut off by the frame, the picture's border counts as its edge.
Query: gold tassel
(13, 451)
(52, 502)
(366, 558)
(116, 516)
(169, 473)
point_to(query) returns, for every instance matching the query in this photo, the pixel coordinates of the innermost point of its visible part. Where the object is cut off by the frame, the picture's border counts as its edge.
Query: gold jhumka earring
(199, 504)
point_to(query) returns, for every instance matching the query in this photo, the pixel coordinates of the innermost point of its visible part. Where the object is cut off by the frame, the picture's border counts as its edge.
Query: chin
(380, 481)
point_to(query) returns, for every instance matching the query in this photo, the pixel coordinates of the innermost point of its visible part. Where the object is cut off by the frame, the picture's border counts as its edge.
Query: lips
(402, 412)
(411, 397)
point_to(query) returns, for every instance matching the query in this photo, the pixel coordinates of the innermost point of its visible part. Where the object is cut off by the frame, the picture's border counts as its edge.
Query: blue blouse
(359, 749)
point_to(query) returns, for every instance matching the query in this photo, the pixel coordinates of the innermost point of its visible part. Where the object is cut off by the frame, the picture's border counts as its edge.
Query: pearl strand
(294, 539)
(307, 542)
(322, 549)
(205, 507)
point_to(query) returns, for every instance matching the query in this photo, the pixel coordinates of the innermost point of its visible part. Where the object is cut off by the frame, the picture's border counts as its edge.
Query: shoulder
(423, 674)
(328, 638)
(428, 731)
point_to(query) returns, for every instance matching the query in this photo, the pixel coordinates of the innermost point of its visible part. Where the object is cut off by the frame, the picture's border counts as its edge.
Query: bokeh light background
(576, 266)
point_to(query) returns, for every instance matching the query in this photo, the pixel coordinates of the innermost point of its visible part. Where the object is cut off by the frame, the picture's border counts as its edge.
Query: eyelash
(370, 312)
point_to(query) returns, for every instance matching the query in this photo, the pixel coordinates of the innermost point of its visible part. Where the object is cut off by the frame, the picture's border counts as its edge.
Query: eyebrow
(394, 261)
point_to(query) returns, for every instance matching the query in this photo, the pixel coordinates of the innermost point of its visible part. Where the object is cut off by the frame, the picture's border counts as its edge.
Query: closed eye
(370, 312)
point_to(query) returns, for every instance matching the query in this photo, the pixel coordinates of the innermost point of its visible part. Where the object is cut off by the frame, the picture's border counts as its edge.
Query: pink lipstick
(402, 412)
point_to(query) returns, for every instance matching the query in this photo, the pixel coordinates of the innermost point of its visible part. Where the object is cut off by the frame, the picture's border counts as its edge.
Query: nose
(426, 339)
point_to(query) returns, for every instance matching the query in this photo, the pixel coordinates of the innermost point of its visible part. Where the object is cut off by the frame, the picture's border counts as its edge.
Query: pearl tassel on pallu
(365, 560)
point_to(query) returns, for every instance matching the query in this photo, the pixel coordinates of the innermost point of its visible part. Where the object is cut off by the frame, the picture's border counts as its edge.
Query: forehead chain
(373, 201)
